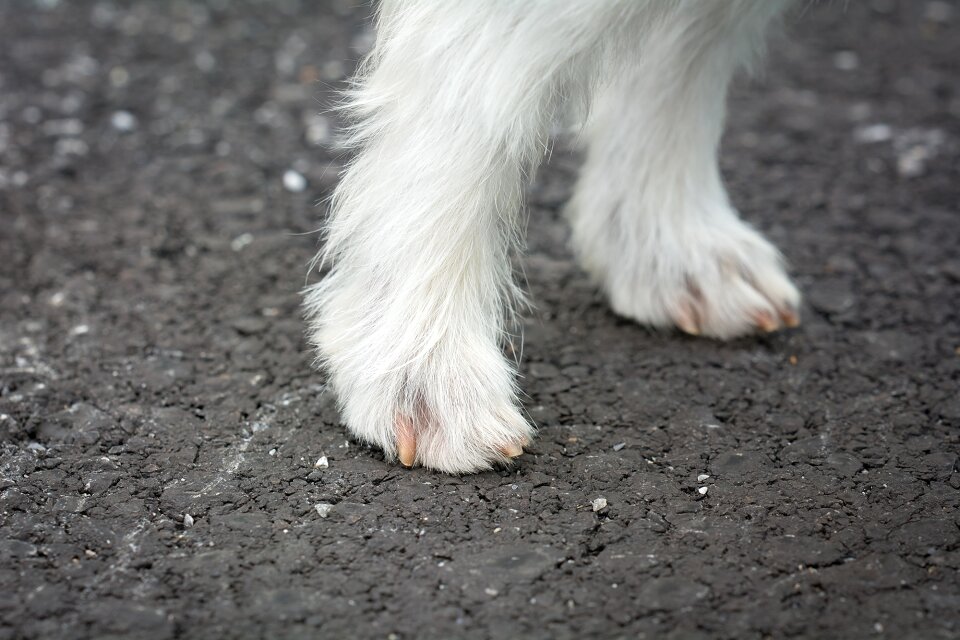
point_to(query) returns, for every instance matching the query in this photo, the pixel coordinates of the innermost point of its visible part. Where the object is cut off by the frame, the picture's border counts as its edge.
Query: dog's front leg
(451, 111)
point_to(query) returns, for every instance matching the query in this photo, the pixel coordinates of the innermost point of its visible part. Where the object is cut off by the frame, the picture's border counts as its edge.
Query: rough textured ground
(153, 365)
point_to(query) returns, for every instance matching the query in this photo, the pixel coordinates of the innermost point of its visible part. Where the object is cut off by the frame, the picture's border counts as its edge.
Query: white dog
(451, 113)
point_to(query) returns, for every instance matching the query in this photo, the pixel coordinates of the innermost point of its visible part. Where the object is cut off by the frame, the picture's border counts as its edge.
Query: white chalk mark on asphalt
(127, 548)
(232, 465)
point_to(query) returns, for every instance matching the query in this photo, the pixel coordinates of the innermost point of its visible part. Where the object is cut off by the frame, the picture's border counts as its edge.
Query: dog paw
(456, 439)
(719, 282)
(453, 416)
(429, 389)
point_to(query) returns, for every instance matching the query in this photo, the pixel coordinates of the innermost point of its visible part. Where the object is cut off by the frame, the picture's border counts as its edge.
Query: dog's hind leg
(651, 218)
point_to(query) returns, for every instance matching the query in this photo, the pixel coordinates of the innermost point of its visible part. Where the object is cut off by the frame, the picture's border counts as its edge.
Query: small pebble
(619, 446)
(90, 553)
(323, 509)
(599, 503)
(241, 241)
(188, 520)
(123, 121)
(272, 452)
(912, 163)
(873, 133)
(322, 463)
(702, 491)
(294, 181)
(702, 477)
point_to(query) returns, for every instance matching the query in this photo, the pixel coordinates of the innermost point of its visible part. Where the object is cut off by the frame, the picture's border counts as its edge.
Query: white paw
(715, 279)
(454, 416)
(447, 404)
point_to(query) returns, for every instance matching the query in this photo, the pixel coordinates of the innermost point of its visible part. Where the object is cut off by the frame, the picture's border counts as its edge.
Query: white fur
(451, 111)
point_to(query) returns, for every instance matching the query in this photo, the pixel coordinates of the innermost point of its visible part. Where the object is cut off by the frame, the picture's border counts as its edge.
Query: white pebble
(123, 121)
(272, 452)
(241, 241)
(322, 463)
(702, 491)
(323, 509)
(294, 181)
(702, 477)
(873, 133)
(79, 330)
(912, 163)
(599, 503)
(915, 147)
(187, 520)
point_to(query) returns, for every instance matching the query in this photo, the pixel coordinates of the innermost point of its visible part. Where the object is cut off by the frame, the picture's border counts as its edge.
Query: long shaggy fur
(450, 115)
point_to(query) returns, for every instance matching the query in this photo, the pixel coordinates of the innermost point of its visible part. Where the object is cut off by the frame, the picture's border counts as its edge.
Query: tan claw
(790, 318)
(766, 321)
(686, 319)
(511, 450)
(406, 442)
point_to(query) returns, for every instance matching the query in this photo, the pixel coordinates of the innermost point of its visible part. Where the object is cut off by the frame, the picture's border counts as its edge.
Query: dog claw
(686, 319)
(511, 450)
(766, 321)
(406, 442)
(790, 318)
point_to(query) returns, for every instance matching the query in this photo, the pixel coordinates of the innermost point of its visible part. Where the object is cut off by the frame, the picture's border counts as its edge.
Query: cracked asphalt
(172, 467)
